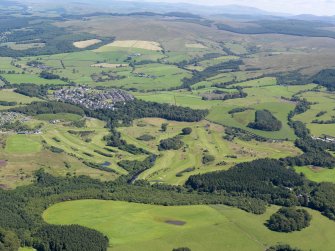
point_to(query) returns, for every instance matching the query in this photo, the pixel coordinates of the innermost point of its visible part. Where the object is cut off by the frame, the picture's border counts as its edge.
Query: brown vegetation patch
(3, 163)
(86, 43)
(175, 222)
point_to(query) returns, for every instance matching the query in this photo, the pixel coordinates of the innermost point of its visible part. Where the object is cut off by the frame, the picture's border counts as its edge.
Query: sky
(316, 7)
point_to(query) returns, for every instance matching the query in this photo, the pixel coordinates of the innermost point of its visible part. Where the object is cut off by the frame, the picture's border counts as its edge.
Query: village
(92, 98)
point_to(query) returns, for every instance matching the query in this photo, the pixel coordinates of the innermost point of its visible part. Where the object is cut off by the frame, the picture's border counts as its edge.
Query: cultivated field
(146, 45)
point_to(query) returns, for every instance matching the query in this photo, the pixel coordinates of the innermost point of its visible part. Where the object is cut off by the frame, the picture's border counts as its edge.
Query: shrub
(187, 131)
(207, 158)
(146, 137)
(174, 143)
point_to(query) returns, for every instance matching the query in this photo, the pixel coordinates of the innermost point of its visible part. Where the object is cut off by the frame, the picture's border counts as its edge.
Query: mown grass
(131, 226)
(317, 174)
(59, 116)
(23, 144)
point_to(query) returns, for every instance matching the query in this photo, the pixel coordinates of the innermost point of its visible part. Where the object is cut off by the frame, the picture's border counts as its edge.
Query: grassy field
(10, 96)
(22, 144)
(323, 102)
(131, 226)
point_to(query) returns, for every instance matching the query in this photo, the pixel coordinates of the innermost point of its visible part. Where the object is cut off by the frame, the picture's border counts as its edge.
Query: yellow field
(105, 65)
(196, 46)
(146, 45)
(86, 43)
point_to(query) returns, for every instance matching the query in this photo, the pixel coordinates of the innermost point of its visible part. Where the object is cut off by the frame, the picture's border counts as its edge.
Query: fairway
(317, 174)
(131, 227)
(23, 144)
(205, 137)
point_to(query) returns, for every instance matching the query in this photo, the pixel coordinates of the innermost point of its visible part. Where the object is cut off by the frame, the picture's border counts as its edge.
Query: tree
(282, 248)
(164, 127)
(207, 158)
(181, 249)
(8, 240)
(187, 131)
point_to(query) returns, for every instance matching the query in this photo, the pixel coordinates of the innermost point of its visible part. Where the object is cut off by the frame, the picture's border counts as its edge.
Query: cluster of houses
(10, 117)
(4, 36)
(325, 139)
(130, 57)
(39, 65)
(92, 98)
(143, 75)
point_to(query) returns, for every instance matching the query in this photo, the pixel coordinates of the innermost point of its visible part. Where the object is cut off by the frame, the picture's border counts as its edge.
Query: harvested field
(146, 45)
(196, 46)
(86, 43)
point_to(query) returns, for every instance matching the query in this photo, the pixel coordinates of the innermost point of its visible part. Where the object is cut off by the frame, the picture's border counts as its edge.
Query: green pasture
(10, 96)
(59, 116)
(322, 102)
(180, 98)
(132, 226)
(30, 78)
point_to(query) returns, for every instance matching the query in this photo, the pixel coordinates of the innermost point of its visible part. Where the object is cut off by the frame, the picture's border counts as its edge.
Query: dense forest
(36, 108)
(287, 27)
(55, 39)
(325, 78)
(265, 121)
(137, 109)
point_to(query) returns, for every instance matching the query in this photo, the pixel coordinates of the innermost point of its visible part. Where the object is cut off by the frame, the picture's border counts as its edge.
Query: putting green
(132, 226)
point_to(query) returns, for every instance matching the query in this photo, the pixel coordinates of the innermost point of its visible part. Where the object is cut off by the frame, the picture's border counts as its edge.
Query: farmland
(133, 226)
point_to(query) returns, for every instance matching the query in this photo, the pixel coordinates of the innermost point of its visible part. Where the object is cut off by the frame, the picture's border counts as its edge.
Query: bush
(289, 220)
(146, 137)
(207, 158)
(187, 131)
(181, 249)
(174, 143)
(282, 248)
